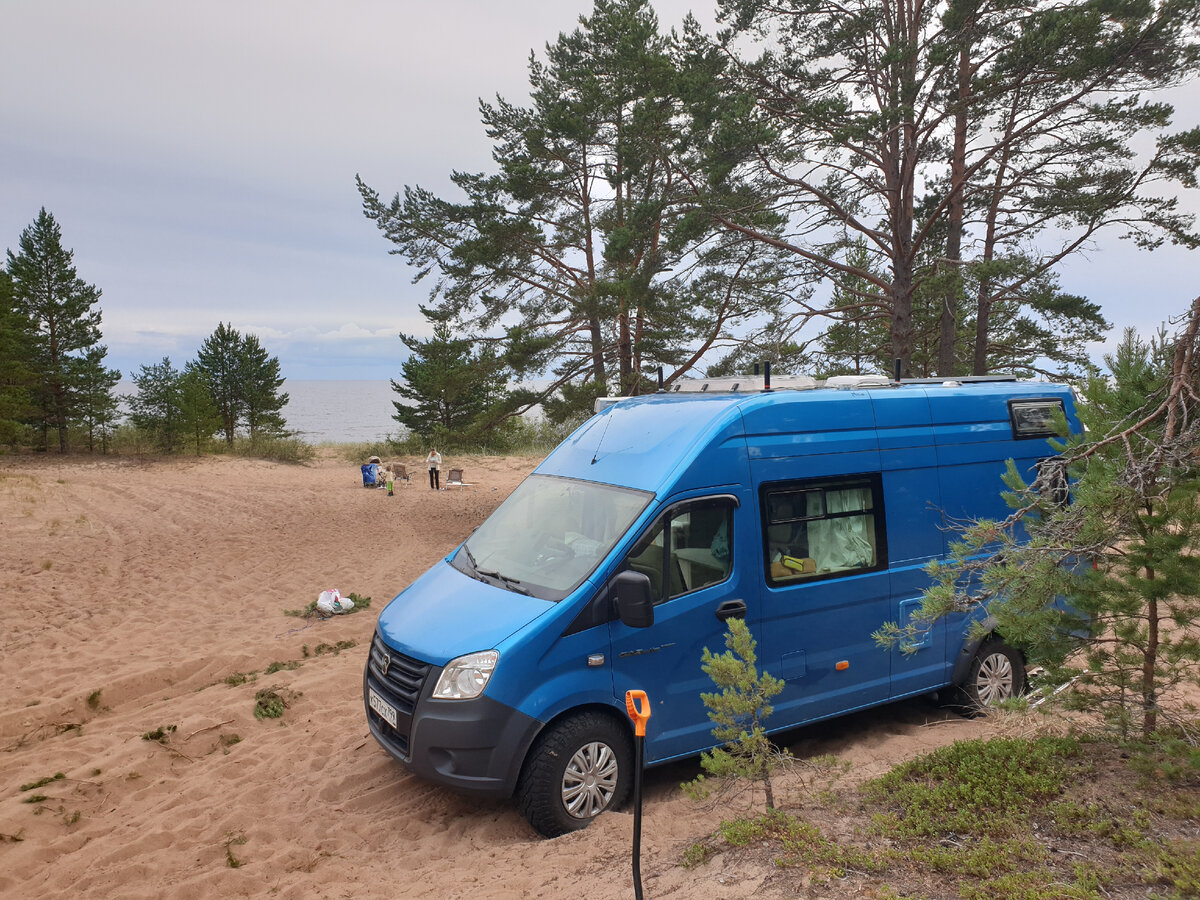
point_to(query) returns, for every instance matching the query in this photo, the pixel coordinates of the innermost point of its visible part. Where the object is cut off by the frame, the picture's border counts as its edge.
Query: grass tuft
(162, 734)
(270, 702)
(42, 782)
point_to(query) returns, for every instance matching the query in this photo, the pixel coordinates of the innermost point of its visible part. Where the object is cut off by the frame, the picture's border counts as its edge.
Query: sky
(200, 160)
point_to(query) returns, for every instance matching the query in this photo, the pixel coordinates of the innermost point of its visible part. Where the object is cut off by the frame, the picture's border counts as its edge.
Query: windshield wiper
(511, 584)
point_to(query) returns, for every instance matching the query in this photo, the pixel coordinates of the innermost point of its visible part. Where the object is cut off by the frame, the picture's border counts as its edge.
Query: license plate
(381, 706)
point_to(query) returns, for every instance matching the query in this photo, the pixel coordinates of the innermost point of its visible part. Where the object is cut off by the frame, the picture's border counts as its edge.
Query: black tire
(997, 673)
(576, 769)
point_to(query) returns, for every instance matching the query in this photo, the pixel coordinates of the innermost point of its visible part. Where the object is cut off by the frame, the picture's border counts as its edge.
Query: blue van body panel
(934, 454)
(454, 614)
(557, 669)
(641, 444)
(664, 660)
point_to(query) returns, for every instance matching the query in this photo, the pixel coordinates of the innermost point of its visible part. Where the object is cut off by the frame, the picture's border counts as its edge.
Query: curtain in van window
(843, 542)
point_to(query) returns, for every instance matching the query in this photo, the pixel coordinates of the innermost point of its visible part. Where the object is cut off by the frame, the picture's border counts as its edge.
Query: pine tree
(857, 341)
(261, 381)
(243, 381)
(156, 408)
(218, 362)
(739, 711)
(584, 236)
(65, 352)
(198, 416)
(98, 407)
(1021, 119)
(16, 376)
(449, 386)
(1123, 553)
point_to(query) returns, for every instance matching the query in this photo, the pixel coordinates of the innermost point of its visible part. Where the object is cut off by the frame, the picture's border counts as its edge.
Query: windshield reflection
(549, 535)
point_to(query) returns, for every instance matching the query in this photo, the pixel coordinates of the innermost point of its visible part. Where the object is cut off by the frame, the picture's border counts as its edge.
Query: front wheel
(996, 674)
(576, 769)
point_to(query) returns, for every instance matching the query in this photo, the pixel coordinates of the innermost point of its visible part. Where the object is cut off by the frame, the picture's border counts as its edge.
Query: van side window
(822, 528)
(692, 543)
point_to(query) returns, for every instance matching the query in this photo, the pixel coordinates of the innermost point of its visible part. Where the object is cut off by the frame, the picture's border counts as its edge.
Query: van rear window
(823, 528)
(1040, 418)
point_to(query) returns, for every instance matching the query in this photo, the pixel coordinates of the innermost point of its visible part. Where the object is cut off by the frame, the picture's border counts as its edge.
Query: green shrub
(360, 452)
(270, 702)
(278, 449)
(972, 787)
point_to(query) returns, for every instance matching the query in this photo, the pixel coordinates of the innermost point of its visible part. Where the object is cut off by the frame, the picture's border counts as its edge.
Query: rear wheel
(576, 769)
(996, 674)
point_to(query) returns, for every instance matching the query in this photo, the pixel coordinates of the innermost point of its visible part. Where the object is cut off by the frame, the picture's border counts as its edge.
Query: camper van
(809, 511)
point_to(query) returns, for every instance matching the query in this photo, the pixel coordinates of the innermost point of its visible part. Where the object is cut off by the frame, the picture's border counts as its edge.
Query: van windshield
(549, 535)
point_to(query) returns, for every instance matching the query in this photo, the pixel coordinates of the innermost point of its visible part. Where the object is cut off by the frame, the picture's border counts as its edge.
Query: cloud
(200, 159)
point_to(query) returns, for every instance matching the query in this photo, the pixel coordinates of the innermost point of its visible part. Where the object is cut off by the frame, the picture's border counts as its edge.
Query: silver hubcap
(995, 680)
(590, 780)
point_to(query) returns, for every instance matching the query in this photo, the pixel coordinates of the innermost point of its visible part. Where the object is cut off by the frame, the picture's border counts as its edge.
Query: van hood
(444, 614)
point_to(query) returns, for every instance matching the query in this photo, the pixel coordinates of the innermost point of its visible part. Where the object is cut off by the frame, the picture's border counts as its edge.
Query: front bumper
(475, 746)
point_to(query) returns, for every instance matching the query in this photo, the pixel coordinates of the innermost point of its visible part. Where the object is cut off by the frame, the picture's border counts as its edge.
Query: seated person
(372, 473)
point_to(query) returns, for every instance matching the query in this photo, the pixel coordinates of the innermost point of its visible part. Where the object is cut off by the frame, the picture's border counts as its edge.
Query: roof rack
(850, 382)
(742, 384)
(960, 379)
(746, 384)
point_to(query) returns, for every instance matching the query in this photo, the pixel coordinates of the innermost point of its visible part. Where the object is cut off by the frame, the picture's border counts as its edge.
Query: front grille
(404, 679)
(398, 679)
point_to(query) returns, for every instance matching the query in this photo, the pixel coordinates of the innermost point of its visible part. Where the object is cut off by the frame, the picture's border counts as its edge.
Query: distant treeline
(56, 392)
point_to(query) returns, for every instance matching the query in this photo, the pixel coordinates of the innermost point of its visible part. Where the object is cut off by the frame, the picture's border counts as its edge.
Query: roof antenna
(767, 375)
(660, 383)
(897, 379)
(596, 455)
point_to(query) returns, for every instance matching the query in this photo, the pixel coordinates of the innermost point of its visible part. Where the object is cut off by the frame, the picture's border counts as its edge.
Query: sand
(135, 589)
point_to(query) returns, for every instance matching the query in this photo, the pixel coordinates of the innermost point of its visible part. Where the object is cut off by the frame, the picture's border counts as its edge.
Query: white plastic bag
(329, 602)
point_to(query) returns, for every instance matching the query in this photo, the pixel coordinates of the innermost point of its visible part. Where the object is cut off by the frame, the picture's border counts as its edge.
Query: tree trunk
(597, 348)
(958, 168)
(766, 778)
(902, 327)
(901, 146)
(625, 349)
(1150, 655)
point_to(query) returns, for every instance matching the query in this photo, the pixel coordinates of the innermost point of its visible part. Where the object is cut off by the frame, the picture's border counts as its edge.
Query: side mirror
(631, 593)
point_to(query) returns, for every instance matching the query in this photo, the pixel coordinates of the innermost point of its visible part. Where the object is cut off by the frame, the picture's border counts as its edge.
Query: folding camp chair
(455, 479)
(400, 473)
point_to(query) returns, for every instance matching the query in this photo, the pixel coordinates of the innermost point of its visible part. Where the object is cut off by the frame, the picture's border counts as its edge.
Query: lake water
(340, 412)
(344, 412)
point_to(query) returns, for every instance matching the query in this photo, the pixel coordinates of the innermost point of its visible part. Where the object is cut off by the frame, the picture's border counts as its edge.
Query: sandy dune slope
(135, 593)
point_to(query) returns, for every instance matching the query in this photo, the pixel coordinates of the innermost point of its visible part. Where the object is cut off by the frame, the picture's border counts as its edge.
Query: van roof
(644, 442)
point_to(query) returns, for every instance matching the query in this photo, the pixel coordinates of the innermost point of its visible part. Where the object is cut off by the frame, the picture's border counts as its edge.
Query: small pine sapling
(739, 710)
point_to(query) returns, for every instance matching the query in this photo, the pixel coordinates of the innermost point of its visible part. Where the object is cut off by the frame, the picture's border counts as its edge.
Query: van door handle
(732, 609)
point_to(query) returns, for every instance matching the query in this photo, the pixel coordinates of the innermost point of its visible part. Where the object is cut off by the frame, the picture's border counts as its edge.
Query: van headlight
(465, 678)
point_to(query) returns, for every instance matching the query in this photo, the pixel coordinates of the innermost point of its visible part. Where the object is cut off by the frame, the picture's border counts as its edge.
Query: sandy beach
(137, 595)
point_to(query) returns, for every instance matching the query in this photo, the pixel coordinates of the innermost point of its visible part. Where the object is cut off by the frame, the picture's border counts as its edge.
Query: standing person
(434, 461)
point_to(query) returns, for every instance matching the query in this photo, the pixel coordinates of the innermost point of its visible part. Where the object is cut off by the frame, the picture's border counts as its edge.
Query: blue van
(809, 513)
